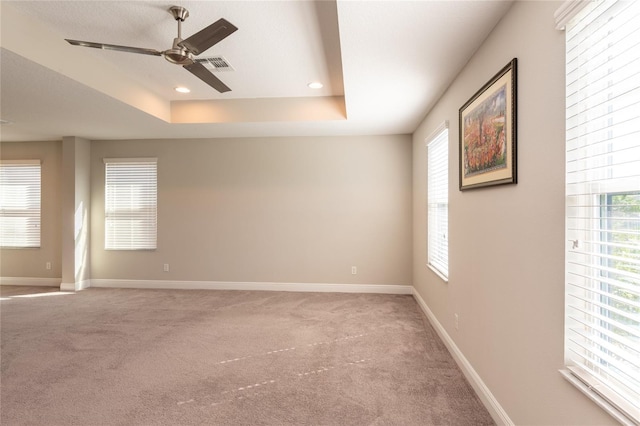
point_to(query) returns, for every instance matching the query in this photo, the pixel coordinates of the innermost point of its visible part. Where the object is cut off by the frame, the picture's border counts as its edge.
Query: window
(20, 187)
(602, 332)
(130, 204)
(438, 201)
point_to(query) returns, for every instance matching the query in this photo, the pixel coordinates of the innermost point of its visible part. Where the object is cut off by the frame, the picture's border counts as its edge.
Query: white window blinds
(438, 201)
(20, 191)
(602, 340)
(130, 204)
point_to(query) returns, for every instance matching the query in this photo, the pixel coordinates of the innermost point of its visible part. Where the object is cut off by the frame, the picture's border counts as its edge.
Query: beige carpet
(165, 357)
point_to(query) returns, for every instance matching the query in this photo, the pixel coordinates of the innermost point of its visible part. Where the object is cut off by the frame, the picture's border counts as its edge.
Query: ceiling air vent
(216, 63)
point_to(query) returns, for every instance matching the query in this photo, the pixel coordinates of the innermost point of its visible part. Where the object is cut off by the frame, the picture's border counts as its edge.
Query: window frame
(438, 139)
(142, 221)
(600, 358)
(32, 212)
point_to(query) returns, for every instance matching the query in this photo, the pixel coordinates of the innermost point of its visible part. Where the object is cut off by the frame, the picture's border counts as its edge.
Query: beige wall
(307, 209)
(31, 262)
(506, 243)
(291, 210)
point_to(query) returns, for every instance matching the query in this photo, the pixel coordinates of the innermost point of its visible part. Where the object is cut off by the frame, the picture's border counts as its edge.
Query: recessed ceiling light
(182, 89)
(315, 85)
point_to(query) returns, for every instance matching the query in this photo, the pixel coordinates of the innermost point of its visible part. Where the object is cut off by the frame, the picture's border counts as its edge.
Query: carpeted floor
(171, 357)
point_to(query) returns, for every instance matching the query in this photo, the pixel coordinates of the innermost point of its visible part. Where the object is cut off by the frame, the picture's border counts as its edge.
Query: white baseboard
(260, 286)
(490, 402)
(77, 286)
(27, 281)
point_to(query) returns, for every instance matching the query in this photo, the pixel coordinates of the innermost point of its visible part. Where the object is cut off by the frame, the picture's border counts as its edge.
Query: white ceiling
(383, 65)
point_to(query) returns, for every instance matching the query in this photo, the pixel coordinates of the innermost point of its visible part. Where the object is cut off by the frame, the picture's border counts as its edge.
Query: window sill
(612, 410)
(438, 273)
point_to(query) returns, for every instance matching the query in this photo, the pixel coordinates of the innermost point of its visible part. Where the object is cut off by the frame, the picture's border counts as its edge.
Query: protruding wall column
(76, 204)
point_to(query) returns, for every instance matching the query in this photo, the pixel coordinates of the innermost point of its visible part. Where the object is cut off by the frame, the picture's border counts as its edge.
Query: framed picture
(488, 133)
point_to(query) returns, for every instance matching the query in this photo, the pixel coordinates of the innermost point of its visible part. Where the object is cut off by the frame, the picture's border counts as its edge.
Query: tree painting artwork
(485, 135)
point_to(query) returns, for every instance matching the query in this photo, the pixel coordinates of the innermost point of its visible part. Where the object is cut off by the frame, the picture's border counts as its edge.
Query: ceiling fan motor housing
(178, 55)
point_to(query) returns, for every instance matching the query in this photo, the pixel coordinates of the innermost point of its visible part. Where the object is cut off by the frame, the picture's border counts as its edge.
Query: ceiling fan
(183, 51)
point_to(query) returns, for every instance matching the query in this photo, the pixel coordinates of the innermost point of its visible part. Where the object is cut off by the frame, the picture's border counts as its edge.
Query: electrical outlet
(166, 267)
(48, 265)
(354, 270)
(456, 319)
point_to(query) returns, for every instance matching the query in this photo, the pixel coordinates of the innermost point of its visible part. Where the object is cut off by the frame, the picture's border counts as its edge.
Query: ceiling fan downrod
(178, 54)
